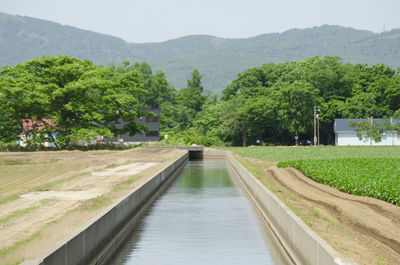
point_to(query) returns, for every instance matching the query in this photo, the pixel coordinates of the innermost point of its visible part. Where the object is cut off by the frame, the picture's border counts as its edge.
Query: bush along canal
(203, 218)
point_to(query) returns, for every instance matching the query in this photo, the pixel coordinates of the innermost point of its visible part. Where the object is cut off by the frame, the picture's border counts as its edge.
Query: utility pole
(370, 130)
(318, 129)
(316, 140)
(391, 127)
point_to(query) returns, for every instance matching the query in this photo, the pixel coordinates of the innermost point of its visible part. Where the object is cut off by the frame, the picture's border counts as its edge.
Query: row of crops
(285, 153)
(373, 177)
(361, 170)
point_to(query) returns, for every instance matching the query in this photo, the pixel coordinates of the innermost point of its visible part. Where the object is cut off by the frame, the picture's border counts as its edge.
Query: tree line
(83, 100)
(273, 103)
(269, 104)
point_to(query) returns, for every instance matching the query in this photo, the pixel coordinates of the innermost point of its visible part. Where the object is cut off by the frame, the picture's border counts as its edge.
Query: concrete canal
(203, 218)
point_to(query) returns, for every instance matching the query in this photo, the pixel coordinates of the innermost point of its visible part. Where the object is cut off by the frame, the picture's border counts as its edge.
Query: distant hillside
(22, 38)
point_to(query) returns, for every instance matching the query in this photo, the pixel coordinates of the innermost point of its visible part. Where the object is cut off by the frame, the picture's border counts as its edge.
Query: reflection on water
(203, 218)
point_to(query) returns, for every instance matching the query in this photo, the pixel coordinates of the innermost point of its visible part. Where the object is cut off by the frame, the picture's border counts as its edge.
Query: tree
(233, 121)
(361, 105)
(294, 107)
(369, 129)
(159, 91)
(156, 87)
(84, 100)
(191, 96)
(195, 82)
(292, 89)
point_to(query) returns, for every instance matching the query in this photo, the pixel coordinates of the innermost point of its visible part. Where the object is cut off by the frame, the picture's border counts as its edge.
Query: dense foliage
(85, 100)
(218, 59)
(373, 177)
(82, 99)
(270, 104)
(274, 103)
(177, 116)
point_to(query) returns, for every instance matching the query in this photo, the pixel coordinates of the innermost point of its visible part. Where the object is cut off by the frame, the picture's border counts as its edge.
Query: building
(29, 125)
(346, 135)
(152, 135)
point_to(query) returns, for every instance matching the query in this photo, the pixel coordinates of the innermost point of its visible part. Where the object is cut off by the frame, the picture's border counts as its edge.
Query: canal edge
(301, 243)
(93, 242)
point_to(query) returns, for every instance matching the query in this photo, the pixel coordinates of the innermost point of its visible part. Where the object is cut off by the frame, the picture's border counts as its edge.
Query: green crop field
(284, 153)
(360, 170)
(373, 177)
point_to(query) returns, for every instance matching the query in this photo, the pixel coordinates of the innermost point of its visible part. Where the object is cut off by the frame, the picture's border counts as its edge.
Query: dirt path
(80, 185)
(365, 229)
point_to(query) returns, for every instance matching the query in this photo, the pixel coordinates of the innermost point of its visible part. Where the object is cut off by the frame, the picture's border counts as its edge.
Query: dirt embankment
(59, 192)
(365, 229)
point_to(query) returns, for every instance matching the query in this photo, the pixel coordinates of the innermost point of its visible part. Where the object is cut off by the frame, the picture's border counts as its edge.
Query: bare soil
(362, 228)
(51, 206)
(82, 184)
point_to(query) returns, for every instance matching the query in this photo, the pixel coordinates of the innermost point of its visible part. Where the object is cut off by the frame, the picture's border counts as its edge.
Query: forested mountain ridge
(23, 38)
(219, 59)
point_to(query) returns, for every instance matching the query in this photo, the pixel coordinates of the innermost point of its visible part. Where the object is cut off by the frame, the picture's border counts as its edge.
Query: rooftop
(342, 125)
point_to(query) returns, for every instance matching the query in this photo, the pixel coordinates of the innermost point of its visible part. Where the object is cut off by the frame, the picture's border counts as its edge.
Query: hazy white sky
(160, 20)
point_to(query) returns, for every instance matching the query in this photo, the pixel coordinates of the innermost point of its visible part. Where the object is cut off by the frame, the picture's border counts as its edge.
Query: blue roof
(342, 125)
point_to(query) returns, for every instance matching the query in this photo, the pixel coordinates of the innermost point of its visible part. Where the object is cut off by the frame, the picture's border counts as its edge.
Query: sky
(161, 20)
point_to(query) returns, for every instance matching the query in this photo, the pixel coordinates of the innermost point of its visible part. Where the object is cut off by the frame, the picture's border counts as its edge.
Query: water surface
(203, 218)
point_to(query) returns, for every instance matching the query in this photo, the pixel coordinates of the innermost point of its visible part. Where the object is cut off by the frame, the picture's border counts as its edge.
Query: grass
(102, 201)
(15, 162)
(18, 213)
(14, 247)
(95, 203)
(125, 184)
(381, 261)
(18, 162)
(27, 177)
(50, 185)
(7, 250)
(46, 202)
(9, 199)
(22, 212)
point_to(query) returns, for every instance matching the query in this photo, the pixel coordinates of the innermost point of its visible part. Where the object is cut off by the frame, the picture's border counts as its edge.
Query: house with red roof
(30, 125)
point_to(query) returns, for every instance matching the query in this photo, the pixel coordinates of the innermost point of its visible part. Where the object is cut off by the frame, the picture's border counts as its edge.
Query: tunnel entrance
(195, 151)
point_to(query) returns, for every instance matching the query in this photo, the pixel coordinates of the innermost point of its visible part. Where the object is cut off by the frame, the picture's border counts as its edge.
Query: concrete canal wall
(90, 244)
(93, 242)
(302, 244)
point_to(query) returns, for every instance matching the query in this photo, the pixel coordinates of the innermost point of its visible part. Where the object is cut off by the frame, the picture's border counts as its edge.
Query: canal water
(203, 218)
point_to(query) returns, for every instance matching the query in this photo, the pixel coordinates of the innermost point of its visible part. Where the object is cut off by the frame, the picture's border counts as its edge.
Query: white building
(346, 135)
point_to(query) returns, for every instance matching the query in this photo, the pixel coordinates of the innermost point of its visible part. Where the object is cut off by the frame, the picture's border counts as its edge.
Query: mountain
(23, 38)
(219, 59)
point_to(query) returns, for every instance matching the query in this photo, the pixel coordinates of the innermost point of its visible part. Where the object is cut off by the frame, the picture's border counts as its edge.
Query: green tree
(191, 96)
(294, 108)
(195, 82)
(84, 100)
(369, 129)
(156, 87)
(292, 89)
